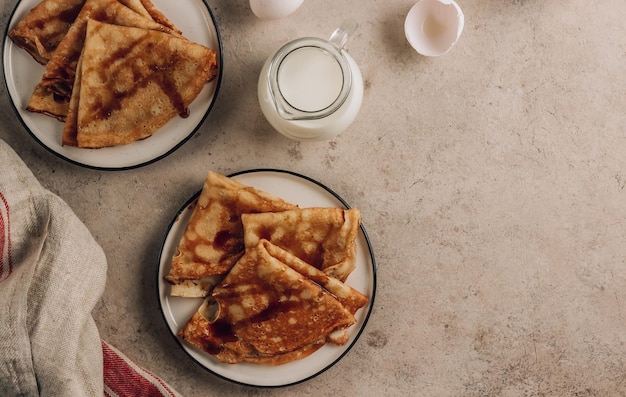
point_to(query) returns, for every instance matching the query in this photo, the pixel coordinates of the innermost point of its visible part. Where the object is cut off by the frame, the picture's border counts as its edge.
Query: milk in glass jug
(311, 89)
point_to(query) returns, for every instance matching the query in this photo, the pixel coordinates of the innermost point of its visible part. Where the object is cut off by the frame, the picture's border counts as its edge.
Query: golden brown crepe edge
(178, 77)
(335, 254)
(196, 332)
(218, 182)
(26, 33)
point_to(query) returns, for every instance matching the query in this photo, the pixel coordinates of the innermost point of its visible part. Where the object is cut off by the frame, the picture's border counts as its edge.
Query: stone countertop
(492, 182)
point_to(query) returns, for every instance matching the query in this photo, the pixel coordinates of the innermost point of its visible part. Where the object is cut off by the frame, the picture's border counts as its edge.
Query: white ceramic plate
(22, 74)
(299, 190)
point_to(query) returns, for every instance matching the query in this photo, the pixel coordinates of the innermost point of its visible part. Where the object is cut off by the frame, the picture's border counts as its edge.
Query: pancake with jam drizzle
(323, 237)
(132, 82)
(213, 238)
(272, 308)
(41, 30)
(52, 94)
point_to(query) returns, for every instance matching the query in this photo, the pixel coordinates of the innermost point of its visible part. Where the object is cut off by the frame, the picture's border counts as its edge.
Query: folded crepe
(213, 238)
(52, 94)
(132, 82)
(272, 308)
(323, 237)
(44, 26)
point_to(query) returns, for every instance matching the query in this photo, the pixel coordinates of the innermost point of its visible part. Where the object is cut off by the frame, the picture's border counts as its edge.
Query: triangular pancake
(323, 237)
(271, 308)
(56, 84)
(134, 81)
(41, 30)
(350, 298)
(213, 239)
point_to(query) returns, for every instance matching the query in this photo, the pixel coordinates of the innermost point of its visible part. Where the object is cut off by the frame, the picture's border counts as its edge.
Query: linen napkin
(52, 273)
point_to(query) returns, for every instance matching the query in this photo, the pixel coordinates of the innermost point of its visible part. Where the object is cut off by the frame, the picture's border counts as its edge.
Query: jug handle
(340, 36)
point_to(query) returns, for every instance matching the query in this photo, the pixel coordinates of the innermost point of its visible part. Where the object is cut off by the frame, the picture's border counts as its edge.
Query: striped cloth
(52, 274)
(6, 260)
(124, 378)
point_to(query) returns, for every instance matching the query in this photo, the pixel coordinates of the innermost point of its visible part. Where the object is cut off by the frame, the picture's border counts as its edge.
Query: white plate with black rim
(305, 192)
(22, 73)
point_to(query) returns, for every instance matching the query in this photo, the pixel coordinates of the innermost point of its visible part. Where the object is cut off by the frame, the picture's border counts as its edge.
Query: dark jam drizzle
(220, 332)
(228, 241)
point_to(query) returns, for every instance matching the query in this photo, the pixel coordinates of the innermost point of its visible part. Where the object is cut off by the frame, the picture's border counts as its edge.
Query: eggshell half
(433, 27)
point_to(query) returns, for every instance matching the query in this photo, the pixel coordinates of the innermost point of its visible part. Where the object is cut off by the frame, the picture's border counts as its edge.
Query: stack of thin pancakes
(115, 70)
(272, 274)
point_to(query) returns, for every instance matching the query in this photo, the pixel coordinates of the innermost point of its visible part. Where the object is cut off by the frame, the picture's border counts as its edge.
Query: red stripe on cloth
(126, 379)
(6, 259)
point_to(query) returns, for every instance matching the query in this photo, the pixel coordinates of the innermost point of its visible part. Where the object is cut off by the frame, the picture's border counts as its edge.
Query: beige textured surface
(492, 183)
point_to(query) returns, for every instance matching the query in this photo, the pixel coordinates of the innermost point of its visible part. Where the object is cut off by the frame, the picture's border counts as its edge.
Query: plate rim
(330, 364)
(6, 39)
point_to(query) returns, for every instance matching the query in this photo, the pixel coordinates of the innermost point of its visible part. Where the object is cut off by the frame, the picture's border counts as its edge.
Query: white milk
(310, 79)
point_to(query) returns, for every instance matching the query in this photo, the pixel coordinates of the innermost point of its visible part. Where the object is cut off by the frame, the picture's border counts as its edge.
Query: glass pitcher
(310, 88)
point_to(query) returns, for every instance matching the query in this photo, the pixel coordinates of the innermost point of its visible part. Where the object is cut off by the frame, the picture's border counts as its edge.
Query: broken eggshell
(274, 9)
(433, 27)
